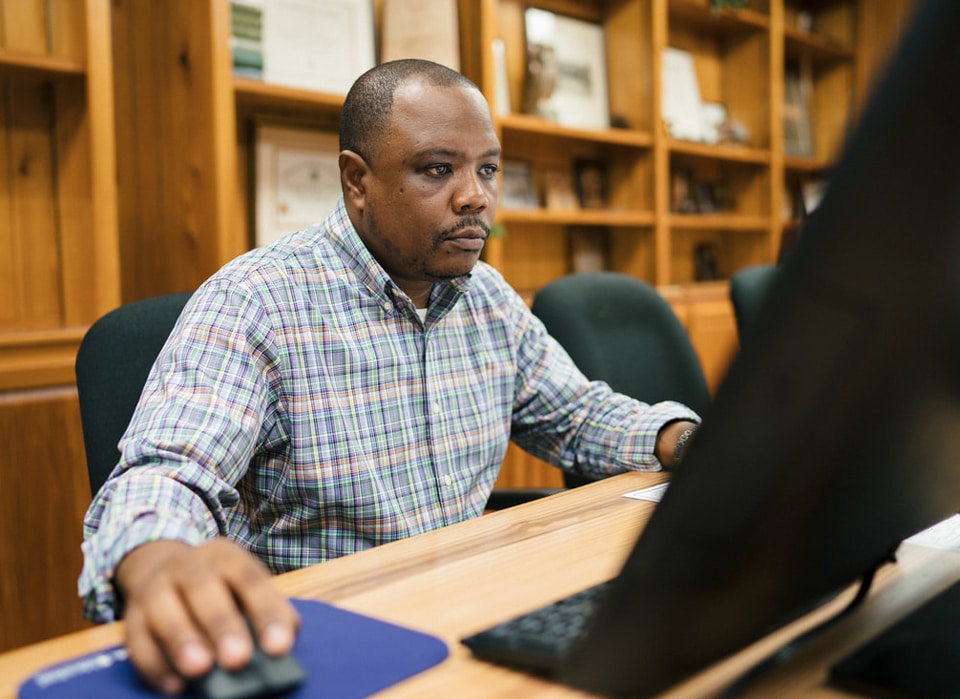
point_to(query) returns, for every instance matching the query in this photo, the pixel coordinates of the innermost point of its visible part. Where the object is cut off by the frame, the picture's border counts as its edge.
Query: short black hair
(367, 106)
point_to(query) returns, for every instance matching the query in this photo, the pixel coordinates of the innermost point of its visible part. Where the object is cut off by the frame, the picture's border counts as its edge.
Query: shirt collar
(355, 255)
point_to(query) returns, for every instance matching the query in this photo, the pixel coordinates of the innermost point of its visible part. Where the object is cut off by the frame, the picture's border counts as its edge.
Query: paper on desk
(654, 493)
(944, 535)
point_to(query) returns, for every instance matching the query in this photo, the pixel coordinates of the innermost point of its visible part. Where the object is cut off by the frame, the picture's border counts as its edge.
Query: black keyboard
(542, 638)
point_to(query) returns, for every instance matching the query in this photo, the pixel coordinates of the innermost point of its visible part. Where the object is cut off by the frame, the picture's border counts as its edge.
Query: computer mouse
(263, 676)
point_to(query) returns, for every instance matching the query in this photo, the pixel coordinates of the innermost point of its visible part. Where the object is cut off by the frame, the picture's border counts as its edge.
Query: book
(246, 37)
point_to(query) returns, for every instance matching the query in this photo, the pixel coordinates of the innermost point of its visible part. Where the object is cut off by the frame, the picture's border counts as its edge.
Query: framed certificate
(321, 46)
(297, 178)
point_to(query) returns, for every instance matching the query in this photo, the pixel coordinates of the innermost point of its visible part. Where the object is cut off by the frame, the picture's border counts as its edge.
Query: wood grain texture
(45, 491)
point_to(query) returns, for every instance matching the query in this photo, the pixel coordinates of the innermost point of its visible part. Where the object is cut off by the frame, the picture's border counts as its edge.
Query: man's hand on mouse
(183, 610)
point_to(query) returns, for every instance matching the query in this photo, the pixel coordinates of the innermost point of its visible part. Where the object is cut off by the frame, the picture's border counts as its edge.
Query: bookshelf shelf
(704, 19)
(21, 64)
(255, 94)
(606, 218)
(729, 153)
(809, 165)
(797, 43)
(719, 222)
(529, 125)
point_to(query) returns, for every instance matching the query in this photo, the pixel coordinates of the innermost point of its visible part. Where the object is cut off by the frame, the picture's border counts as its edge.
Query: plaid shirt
(302, 408)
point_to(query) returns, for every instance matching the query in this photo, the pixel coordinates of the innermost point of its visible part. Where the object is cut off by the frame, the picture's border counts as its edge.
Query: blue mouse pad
(345, 656)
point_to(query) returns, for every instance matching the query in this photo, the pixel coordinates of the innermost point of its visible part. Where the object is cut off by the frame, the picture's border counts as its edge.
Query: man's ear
(353, 170)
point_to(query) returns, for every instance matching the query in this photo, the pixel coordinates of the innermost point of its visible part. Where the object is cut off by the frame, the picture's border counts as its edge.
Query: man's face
(431, 195)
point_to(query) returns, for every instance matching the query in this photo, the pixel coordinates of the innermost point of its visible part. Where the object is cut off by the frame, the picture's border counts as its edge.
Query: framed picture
(322, 46)
(516, 185)
(591, 183)
(559, 193)
(296, 178)
(682, 107)
(426, 29)
(566, 74)
(588, 251)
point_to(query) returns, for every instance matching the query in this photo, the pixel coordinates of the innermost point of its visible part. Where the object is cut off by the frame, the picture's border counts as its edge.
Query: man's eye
(490, 171)
(439, 170)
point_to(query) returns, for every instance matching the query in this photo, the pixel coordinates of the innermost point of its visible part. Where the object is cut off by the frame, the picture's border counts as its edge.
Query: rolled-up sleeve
(580, 425)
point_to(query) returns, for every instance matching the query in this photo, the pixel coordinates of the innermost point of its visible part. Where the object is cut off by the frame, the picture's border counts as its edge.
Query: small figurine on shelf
(705, 262)
(681, 192)
(591, 183)
(542, 74)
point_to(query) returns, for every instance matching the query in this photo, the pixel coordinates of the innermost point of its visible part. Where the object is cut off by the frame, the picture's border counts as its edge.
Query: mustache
(471, 222)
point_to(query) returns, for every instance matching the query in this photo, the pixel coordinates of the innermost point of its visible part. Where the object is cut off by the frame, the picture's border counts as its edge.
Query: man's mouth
(471, 236)
(468, 239)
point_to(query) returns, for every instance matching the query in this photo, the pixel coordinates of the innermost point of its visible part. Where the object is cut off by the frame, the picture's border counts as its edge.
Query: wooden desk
(459, 580)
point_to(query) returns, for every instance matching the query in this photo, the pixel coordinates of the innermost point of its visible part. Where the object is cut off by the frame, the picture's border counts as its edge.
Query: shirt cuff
(113, 536)
(637, 451)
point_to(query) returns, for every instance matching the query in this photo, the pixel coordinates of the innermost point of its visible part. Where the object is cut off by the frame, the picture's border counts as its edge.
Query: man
(349, 385)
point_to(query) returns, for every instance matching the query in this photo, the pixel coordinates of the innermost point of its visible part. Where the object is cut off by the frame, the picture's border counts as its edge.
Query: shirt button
(387, 306)
(436, 407)
(448, 480)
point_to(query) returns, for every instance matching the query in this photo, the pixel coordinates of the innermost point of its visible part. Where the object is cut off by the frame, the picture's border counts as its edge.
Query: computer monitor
(836, 432)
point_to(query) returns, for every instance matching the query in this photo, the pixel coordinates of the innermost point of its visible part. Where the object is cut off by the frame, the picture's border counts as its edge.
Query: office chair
(748, 290)
(112, 365)
(619, 329)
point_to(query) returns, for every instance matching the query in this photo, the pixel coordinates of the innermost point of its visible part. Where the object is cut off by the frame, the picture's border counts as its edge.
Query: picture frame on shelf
(427, 29)
(682, 109)
(296, 178)
(682, 191)
(517, 190)
(591, 183)
(320, 46)
(559, 194)
(566, 70)
(588, 251)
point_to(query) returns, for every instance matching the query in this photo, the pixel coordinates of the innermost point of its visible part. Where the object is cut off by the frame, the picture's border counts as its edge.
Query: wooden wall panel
(23, 25)
(45, 491)
(177, 219)
(31, 241)
(66, 37)
(7, 260)
(86, 174)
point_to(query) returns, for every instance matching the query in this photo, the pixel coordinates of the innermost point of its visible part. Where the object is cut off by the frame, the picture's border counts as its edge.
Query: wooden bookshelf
(174, 237)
